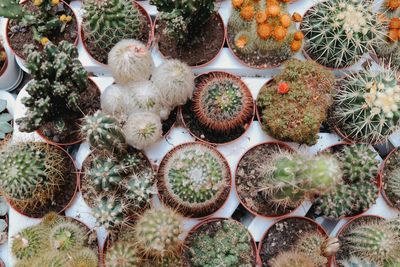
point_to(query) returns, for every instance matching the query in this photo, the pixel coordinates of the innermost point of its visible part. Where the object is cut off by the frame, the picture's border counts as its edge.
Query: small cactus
(292, 259)
(105, 174)
(311, 244)
(357, 262)
(139, 188)
(109, 212)
(5, 120)
(84, 257)
(28, 243)
(113, 102)
(51, 219)
(393, 183)
(122, 254)
(67, 237)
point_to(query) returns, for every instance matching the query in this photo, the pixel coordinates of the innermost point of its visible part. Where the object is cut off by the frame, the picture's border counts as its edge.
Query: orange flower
(285, 20)
(296, 17)
(241, 41)
(283, 88)
(273, 10)
(393, 4)
(264, 31)
(393, 35)
(280, 33)
(298, 36)
(247, 13)
(295, 46)
(394, 23)
(261, 17)
(237, 3)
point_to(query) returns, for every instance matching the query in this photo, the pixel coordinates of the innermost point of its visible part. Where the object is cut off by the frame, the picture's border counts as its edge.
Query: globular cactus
(130, 61)
(122, 254)
(229, 244)
(338, 32)
(158, 233)
(67, 237)
(366, 106)
(84, 257)
(5, 120)
(50, 258)
(175, 82)
(104, 132)
(222, 102)
(28, 243)
(375, 242)
(393, 182)
(113, 102)
(289, 179)
(58, 80)
(105, 174)
(31, 173)
(139, 188)
(312, 245)
(109, 212)
(292, 259)
(51, 219)
(357, 262)
(119, 20)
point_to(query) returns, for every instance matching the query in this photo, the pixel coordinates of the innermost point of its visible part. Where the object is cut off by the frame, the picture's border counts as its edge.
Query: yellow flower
(44, 40)
(63, 18)
(37, 2)
(55, 2)
(69, 18)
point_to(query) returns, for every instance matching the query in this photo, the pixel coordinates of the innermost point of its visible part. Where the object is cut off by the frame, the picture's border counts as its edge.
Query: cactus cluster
(339, 32)
(45, 21)
(58, 81)
(183, 18)
(64, 242)
(222, 102)
(5, 120)
(194, 178)
(32, 173)
(105, 23)
(264, 29)
(295, 104)
(366, 106)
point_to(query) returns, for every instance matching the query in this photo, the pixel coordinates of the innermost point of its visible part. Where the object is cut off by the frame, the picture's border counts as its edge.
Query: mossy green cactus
(122, 254)
(357, 262)
(292, 259)
(109, 212)
(158, 233)
(67, 237)
(105, 174)
(294, 105)
(222, 102)
(221, 243)
(366, 106)
(339, 32)
(29, 242)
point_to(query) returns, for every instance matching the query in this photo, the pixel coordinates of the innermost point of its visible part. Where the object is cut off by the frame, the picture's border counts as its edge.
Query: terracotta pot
(247, 127)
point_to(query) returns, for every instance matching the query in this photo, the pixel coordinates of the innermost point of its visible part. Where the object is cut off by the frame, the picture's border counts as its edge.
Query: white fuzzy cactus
(130, 61)
(113, 101)
(175, 81)
(142, 129)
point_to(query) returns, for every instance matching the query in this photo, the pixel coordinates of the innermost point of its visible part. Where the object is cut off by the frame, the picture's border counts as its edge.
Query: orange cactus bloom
(393, 35)
(394, 23)
(237, 3)
(247, 13)
(283, 88)
(273, 10)
(393, 4)
(298, 36)
(242, 41)
(261, 17)
(285, 20)
(295, 46)
(264, 31)
(296, 17)
(280, 33)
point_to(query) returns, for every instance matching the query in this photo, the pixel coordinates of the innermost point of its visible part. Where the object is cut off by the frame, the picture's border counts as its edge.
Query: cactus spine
(109, 212)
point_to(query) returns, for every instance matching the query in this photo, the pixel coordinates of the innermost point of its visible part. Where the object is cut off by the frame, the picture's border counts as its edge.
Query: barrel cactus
(122, 254)
(338, 32)
(366, 106)
(292, 259)
(109, 212)
(28, 243)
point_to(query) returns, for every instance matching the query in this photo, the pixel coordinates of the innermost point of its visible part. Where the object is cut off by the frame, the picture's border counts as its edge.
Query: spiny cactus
(84, 257)
(393, 183)
(105, 174)
(119, 20)
(113, 101)
(50, 258)
(31, 173)
(195, 177)
(139, 188)
(292, 259)
(130, 61)
(357, 262)
(367, 105)
(226, 243)
(311, 244)
(104, 132)
(58, 80)
(67, 237)
(338, 32)
(51, 219)
(109, 212)
(5, 120)
(295, 104)
(289, 179)
(28, 243)
(158, 233)
(175, 81)
(222, 102)
(122, 254)
(170, 261)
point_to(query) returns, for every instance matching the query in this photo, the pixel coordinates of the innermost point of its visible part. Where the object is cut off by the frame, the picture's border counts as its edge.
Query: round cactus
(158, 233)
(84, 257)
(28, 243)
(104, 132)
(393, 183)
(122, 254)
(51, 219)
(194, 178)
(311, 244)
(175, 82)
(109, 212)
(338, 32)
(222, 102)
(367, 105)
(357, 262)
(105, 174)
(51, 258)
(142, 129)
(139, 188)
(113, 102)
(292, 259)
(67, 237)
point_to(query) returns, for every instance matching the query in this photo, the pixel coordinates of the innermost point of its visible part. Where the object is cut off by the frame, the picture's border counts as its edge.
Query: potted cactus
(221, 110)
(191, 31)
(59, 94)
(391, 179)
(366, 106)
(56, 241)
(294, 241)
(370, 239)
(295, 103)
(194, 179)
(36, 178)
(119, 20)
(36, 22)
(262, 34)
(338, 33)
(219, 242)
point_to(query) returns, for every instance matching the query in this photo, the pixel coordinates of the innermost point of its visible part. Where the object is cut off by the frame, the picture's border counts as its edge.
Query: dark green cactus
(359, 163)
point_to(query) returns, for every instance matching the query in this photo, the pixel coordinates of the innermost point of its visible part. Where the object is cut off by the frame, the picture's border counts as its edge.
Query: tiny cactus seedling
(367, 105)
(109, 212)
(67, 237)
(5, 120)
(292, 259)
(158, 233)
(338, 32)
(358, 262)
(222, 102)
(85, 257)
(104, 132)
(139, 188)
(105, 174)
(28, 243)
(122, 254)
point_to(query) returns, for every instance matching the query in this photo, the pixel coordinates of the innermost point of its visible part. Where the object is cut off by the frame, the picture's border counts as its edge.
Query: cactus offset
(292, 259)
(28, 243)
(109, 212)
(105, 174)
(67, 237)
(122, 254)
(5, 120)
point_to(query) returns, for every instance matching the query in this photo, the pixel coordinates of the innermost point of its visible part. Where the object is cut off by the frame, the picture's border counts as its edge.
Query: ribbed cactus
(109, 212)
(338, 32)
(292, 259)
(107, 22)
(58, 80)
(105, 174)
(139, 188)
(367, 105)
(158, 233)
(31, 173)
(84, 257)
(104, 132)
(358, 262)
(359, 163)
(67, 237)
(393, 183)
(5, 120)
(28, 243)
(289, 179)
(227, 244)
(222, 102)
(122, 254)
